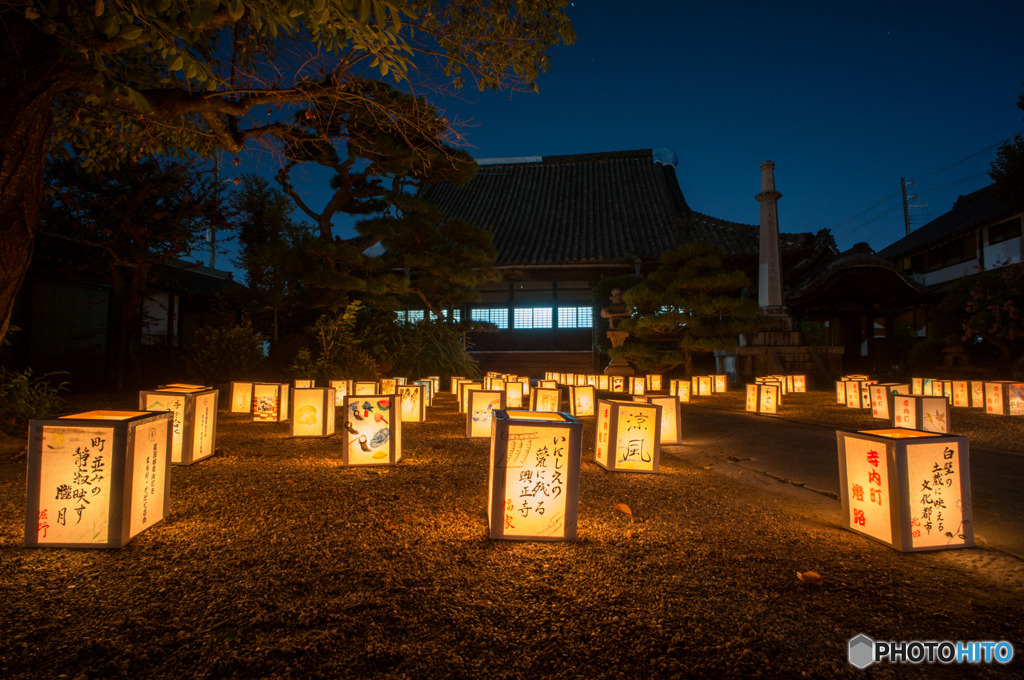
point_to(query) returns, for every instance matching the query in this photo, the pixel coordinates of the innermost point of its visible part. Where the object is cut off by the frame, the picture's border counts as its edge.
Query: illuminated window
(414, 315)
(499, 317)
(535, 317)
(575, 317)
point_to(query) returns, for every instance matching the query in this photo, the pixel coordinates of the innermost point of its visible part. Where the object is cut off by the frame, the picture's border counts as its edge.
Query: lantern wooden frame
(918, 412)
(546, 400)
(65, 463)
(670, 427)
(464, 387)
(582, 400)
(480, 411)
(241, 397)
(414, 403)
(362, 388)
(193, 420)
(880, 401)
(604, 383)
(701, 386)
(896, 484)
(532, 454)
(764, 397)
(270, 402)
(365, 442)
(612, 432)
(453, 384)
(655, 381)
(342, 388)
(1004, 397)
(312, 411)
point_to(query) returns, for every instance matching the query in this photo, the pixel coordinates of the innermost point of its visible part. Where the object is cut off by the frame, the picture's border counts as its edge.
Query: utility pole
(906, 209)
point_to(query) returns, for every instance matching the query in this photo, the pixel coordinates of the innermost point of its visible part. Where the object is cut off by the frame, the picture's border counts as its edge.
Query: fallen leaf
(623, 508)
(252, 492)
(812, 577)
(707, 467)
(460, 484)
(392, 527)
(629, 534)
(290, 481)
(407, 520)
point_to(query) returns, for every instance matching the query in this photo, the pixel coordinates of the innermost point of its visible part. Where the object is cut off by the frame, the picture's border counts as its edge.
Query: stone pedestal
(618, 366)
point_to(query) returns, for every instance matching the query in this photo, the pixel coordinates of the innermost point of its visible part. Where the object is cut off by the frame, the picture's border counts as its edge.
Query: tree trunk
(31, 76)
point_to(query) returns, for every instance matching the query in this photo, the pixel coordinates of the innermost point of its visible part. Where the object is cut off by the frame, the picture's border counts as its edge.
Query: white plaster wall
(1007, 250)
(950, 273)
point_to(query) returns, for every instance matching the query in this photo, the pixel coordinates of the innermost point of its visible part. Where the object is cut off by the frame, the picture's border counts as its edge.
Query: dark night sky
(845, 98)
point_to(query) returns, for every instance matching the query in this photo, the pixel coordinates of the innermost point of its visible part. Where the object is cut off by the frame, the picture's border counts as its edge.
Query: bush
(221, 354)
(23, 398)
(433, 348)
(926, 354)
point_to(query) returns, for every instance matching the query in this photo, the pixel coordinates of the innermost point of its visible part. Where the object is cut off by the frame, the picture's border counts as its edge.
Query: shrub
(23, 398)
(926, 354)
(221, 354)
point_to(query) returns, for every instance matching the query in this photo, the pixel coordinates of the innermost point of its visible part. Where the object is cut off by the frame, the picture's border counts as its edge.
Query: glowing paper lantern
(525, 381)
(96, 479)
(637, 386)
(533, 482)
(671, 424)
(388, 386)
(702, 385)
(592, 380)
(653, 382)
(428, 391)
(961, 393)
(193, 420)
(1004, 398)
(977, 394)
(881, 398)
(402, 381)
(482, 405)
(857, 394)
(918, 412)
(917, 385)
(604, 383)
(185, 386)
(549, 384)
(436, 379)
(682, 391)
(303, 383)
(342, 388)
(313, 411)
(549, 375)
(908, 489)
(618, 383)
(720, 384)
(364, 387)
(513, 395)
(581, 400)
(269, 402)
(943, 388)
(465, 386)
(414, 403)
(455, 379)
(241, 397)
(373, 426)
(628, 436)
(545, 400)
(763, 397)
(841, 392)
(799, 383)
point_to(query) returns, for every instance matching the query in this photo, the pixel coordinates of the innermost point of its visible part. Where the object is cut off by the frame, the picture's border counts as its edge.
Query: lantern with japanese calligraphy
(943, 388)
(428, 391)
(388, 385)
(454, 384)
(364, 387)
(270, 402)
(546, 400)
(96, 479)
(193, 420)
(783, 383)
(581, 400)
(312, 412)
(654, 382)
(918, 412)
(1004, 398)
(464, 387)
(775, 397)
(799, 383)
(841, 392)
(373, 430)
(241, 397)
(303, 383)
(671, 424)
(961, 393)
(342, 388)
(917, 385)
(533, 482)
(414, 403)
(618, 383)
(628, 436)
(908, 489)
(702, 386)
(880, 398)
(513, 394)
(480, 411)
(720, 383)
(637, 386)
(603, 383)
(857, 394)
(763, 397)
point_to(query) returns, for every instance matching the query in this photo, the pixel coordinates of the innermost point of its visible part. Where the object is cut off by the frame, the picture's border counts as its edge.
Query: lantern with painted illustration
(918, 412)
(908, 489)
(592, 380)
(436, 379)
(799, 383)
(1004, 398)
(414, 403)
(628, 436)
(513, 394)
(720, 383)
(880, 398)
(388, 385)
(364, 387)
(763, 397)
(654, 382)
(241, 397)
(961, 393)
(454, 384)
(402, 381)
(977, 394)
(428, 391)
(303, 383)
(702, 386)
(604, 383)
(270, 402)
(96, 479)
(193, 420)
(618, 383)
(342, 388)
(671, 425)
(525, 382)
(545, 400)
(637, 386)
(373, 430)
(480, 411)
(581, 400)
(533, 481)
(682, 391)
(312, 412)
(464, 387)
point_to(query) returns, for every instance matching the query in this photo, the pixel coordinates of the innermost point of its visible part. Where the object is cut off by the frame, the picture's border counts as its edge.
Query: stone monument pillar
(769, 274)
(615, 313)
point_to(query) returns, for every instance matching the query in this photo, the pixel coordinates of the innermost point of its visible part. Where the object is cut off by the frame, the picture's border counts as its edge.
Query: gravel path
(276, 562)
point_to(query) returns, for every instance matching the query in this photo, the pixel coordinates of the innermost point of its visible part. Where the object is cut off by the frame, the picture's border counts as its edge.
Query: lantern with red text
(720, 383)
(533, 481)
(628, 436)
(193, 420)
(414, 403)
(313, 411)
(241, 397)
(481, 407)
(763, 397)
(917, 412)
(880, 398)
(373, 430)
(342, 388)
(841, 392)
(671, 424)
(961, 393)
(364, 387)
(908, 489)
(96, 479)
(1004, 398)
(581, 400)
(546, 400)
(270, 402)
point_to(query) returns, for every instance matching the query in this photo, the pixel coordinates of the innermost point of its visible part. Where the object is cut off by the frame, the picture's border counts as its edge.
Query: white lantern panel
(362, 387)
(369, 429)
(308, 415)
(867, 474)
(545, 400)
(535, 481)
(933, 473)
(241, 397)
(482, 405)
(149, 472)
(634, 449)
(74, 480)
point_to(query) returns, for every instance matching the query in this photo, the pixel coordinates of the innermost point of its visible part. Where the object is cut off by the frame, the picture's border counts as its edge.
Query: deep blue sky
(845, 97)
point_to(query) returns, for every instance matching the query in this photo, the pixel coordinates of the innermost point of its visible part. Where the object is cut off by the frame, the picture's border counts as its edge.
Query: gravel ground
(276, 562)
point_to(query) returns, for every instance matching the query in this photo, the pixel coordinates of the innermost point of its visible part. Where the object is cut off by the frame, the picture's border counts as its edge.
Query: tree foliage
(689, 304)
(1008, 168)
(994, 311)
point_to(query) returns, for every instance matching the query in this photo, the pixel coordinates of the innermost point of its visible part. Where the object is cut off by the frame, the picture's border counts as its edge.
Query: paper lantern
(513, 395)
(637, 386)
(193, 420)
(702, 385)
(545, 400)
(533, 481)
(373, 430)
(781, 379)
(931, 388)
(671, 424)
(880, 400)
(592, 380)
(186, 386)
(414, 403)
(388, 386)
(269, 402)
(943, 388)
(549, 375)
(799, 383)
(581, 400)
(1004, 398)
(841, 392)
(720, 383)
(618, 383)
(961, 393)
(402, 381)
(628, 436)
(682, 391)
(428, 391)
(917, 385)
(908, 489)
(436, 379)
(604, 383)
(303, 383)
(241, 397)
(342, 388)
(465, 386)
(454, 384)
(918, 412)
(977, 394)
(857, 394)
(763, 397)
(96, 479)
(312, 413)
(548, 384)
(364, 387)
(655, 382)
(564, 378)
(481, 407)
